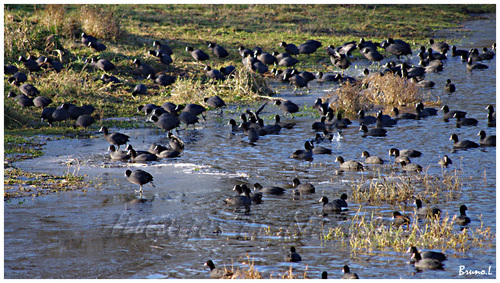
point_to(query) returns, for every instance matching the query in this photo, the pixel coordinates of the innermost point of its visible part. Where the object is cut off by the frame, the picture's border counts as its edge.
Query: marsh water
(104, 232)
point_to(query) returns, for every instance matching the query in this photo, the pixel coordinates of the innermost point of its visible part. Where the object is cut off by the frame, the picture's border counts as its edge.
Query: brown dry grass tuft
(388, 91)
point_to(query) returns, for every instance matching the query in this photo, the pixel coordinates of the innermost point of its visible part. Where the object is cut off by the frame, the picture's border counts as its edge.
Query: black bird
(293, 256)
(322, 78)
(287, 106)
(97, 46)
(341, 201)
(445, 161)
(306, 154)
(164, 58)
(375, 132)
(47, 113)
(462, 219)
(55, 65)
(405, 115)
(364, 119)
(42, 101)
(10, 69)
(228, 71)
(86, 39)
(290, 48)
(198, 54)
(271, 190)
(84, 121)
(348, 274)
(306, 188)
(214, 74)
(265, 57)
(114, 138)
(349, 165)
(217, 272)
(139, 177)
(486, 55)
(168, 153)
(405, 152)
(487, 140)
(102, 64)
(165, 121)
(372, 55)
(447, 114)
(462, 121)
(410, 167)
(427, 263)
(462, 144)
(18, 78)
(243, 189)
(475, 66)
(309, 47)
(371, 159)
(330, 207)
(297, 80)
(117, 154)
(218, 50)
(425, 212)
(29, 89)
(60, 114)
(458, 52)
(175, 142)
(397, 158)
(449, 87)
(22, 99)
(30, 64)
(162, 79)
(384, 122)
(195, 109)
(142, 157)
(441, 47)
(105, 78)
(427, 254)
(188, 118)
(396, 47)
(214, 102)
(491, 110)
(340, 61)
(240, 200)
(139, 89)
(145, 69)
(162, 48)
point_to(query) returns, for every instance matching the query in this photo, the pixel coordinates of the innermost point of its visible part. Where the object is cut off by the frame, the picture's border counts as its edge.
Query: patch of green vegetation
(19, 183)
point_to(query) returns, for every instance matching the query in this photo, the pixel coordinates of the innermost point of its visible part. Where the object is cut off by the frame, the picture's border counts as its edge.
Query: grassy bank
(129, 30)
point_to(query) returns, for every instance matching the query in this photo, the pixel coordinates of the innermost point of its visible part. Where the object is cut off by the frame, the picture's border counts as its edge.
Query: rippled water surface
(107, 233)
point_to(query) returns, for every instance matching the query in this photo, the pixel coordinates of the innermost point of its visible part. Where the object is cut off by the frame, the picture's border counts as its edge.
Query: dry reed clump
(351, 98)
(392, 90)
(368, 234)
(53, 17)
(100, 21)
(388, 90)
(401, 189)
(244, 86)
(251, 272)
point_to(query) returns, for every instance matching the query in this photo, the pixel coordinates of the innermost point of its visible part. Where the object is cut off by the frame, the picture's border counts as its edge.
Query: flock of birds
(169, 116)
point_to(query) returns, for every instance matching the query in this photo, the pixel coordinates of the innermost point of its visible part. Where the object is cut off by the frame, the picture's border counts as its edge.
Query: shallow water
(107, 233)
